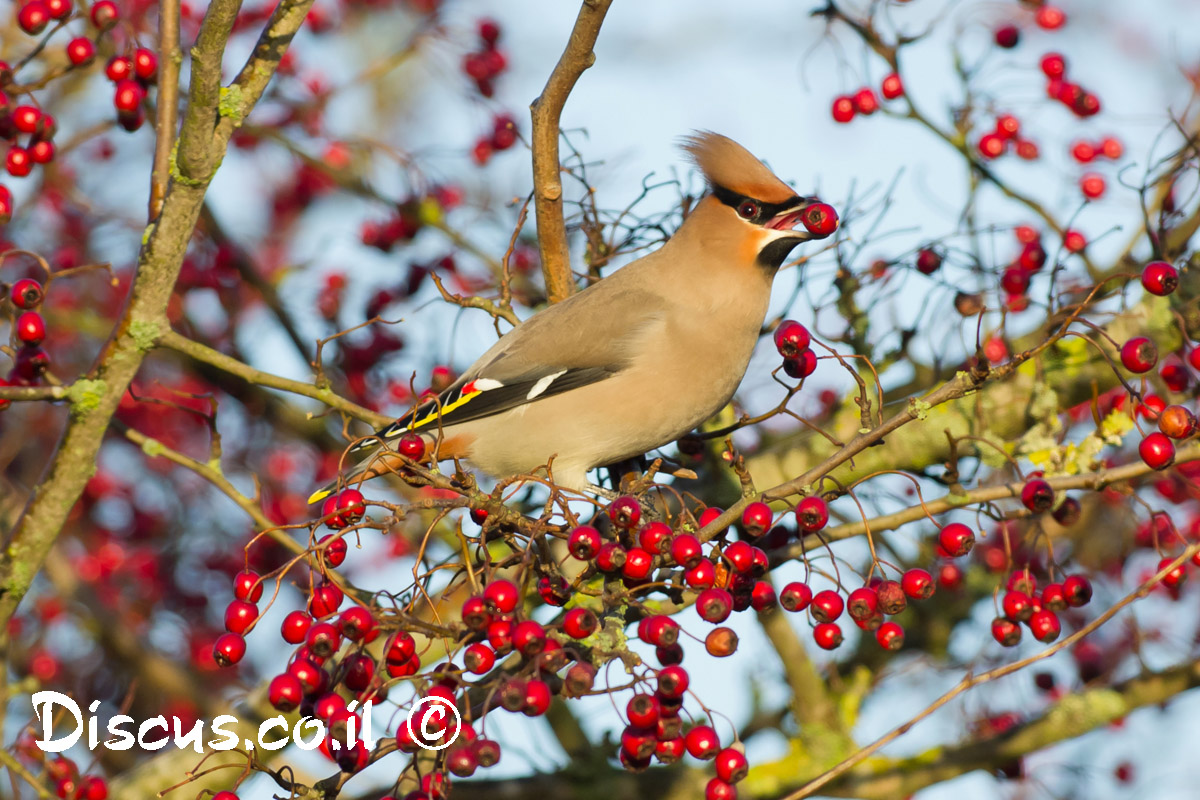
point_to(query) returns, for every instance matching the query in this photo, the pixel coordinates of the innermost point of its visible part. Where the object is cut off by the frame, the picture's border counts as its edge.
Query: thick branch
(546, 112)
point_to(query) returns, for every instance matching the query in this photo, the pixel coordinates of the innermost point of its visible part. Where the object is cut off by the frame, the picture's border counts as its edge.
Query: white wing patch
(486, 384)
(544, 384)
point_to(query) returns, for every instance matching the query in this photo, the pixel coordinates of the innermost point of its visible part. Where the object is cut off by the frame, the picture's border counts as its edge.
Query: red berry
(713, 605)
(660, 630)
(334, 550)
(18, 162)
(1027, 150)
(1074, 241)
(1160, 278)
(1157, 451)
(928, 260)
(1054, 66)
(827, 635)
(702, 742)
(820, 219)
(26, 293)
(41, 151)
(1017, 606)
(843, 109)
(584, 542)
(1007, 126)
(1054, 597)
(1083, 152)
(756, 519)
(145, 64)
(625, 512)
(991, 145)
(26, 119)
(643, 711)
(812, 514)
(128, 96)
(247, 585)
(1139, 355)
(104, 14)
(580, 623)
(1112, 148)
(892, 87)
(638, 564)
(295, 627)
(229, 649)
(33, 17)
(611, 558)
(1067, 513)
(731, 765)
(827, 606)
(80, 51)
(479, 658)
(1037, 495)
(1044, 626)
(411, 446)
(956, 539)
(795, 596)
(673, 681)
(489, 31)
(323, 639)
(325, 601)
(1007, 36)
(802, 365)
(686, 551)
(862, 603)
(1092, 185)
(762, 596)
(239, 616)
(791, 338)
(119, 68)
(1050, 18)
(31, 328)
(502, 595)
(890, 636)
(655, 538)
(59, 9)
(1006, 632)
(865, 101)
(717, 789)
(918, 584)
(529, 637)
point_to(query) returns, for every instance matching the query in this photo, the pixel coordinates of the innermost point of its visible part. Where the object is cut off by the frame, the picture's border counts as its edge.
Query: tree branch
(546, 112)
(168, 101)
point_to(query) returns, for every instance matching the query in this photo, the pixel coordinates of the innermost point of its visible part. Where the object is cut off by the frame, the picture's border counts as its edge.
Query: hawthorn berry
(892, 87)
(721, 642)
(795, 596)
(357, 623)
(1037, 495)
(956, 539)
(731, 765)
(229, 649)
(1017, 606)
(928, 260)
(827, 605)
(714, 605)
(686, 551)
(1050, 17)
(812, 514)
(1092, 185)
(1139, 355)
(791, 338)
(80, 51)
(411, 446)
(1177, 422)
(673, 681)
(655, 538)
(31, 328)
(660, 630)
(918, 584)
(335, 550)
(702, 742)
(26, 293)
(1054, 66)
(1044, 626)
(1006, 632)
(1053, 597)
(625, 512)
(1160, 278)
(865, 101)
(820, 219)
(325, 601)
(611, 557)
(18, 162)
(891, 596)
(580, 623)
(827, 635)
(717, 789)
(295, 627)
(145, 64)
(239, 616)
(890, 636)
(104, 14)
(756, 519)
(638, 564)
(843, 109)
(502, 595)
(1157, 451)
(1007, 36)
(800, 366)
(537, 698)
(862, 603)
(762, 596)
(1067, 513)
(33, 17)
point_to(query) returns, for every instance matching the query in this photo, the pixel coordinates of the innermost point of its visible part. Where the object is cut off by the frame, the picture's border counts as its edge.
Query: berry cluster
(484, 65)
(132, 77)
(29, 133)
(1081, 102)
(794, 343)
(29, 331)
(865, 102)
(1006, 135)
(502, 137)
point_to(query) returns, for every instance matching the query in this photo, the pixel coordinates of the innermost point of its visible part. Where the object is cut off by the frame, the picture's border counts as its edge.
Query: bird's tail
(345, 479)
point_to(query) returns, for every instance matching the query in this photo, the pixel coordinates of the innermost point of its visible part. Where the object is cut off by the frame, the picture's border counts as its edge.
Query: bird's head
(752, 205)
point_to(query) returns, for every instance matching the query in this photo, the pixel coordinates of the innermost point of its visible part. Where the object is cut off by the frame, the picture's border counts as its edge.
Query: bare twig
(547, 183)
(168, 102)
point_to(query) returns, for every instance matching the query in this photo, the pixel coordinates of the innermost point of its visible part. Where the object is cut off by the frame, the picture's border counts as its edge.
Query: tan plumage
(636, 360)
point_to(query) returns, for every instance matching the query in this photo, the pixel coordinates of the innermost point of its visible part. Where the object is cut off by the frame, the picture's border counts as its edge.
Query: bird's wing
(589, 337)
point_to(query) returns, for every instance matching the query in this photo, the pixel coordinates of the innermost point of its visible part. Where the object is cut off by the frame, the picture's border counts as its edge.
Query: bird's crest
(727, 164)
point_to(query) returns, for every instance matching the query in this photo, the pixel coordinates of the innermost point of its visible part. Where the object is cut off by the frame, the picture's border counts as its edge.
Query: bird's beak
(819, 219)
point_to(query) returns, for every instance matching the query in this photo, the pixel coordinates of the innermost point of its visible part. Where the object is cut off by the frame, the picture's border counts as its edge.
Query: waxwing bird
(634, 361)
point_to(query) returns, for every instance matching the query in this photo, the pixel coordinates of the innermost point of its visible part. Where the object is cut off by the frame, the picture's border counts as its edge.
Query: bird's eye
(748, 210)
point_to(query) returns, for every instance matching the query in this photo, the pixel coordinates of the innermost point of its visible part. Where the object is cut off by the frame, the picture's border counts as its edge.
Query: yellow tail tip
(318, 496)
